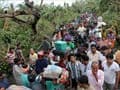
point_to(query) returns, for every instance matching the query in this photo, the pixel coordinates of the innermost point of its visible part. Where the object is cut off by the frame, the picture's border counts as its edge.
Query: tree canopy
(30, 22)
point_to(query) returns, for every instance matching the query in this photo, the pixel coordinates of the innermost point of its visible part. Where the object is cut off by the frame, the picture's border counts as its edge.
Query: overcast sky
(56, 2)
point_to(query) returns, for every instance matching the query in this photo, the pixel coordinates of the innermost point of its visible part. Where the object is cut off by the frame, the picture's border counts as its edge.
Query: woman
(10, 56)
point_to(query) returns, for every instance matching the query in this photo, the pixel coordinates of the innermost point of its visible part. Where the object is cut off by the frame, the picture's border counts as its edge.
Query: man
(96, 76)
(74, 69)
(95, 55)
(111, 70)
(19, 53)
(81, 30)
(85, 65)
(45, 45)
(41, 63)
(84, 84)
(117, 56)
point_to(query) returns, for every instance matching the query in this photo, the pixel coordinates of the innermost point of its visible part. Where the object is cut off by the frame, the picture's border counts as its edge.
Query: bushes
(5, 68)
(51, 16)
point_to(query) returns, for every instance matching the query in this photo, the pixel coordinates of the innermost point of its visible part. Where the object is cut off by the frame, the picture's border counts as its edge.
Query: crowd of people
(79, 56)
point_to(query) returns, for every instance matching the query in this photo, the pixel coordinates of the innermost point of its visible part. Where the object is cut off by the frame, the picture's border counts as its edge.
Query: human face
(95, 68)
(93, 49)
(109, 61)
(11, 50)
(72, 59)
(31, 51)
(85, 62)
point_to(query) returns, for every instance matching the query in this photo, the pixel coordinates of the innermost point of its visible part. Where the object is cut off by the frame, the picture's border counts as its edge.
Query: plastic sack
(60, 46)
(15, 87)
(52, 72)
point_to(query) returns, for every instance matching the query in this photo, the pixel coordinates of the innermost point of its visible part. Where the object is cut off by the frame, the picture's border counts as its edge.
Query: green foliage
(110, 11)
(5, 67)
(50, 16)
(1, 23)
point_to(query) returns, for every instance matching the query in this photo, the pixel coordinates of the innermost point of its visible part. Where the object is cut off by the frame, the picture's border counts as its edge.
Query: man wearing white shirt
(81, 30)
(96, 76)
(98, 32)
(94, 54)
(100, 22)
(85, 65)
(111, 73)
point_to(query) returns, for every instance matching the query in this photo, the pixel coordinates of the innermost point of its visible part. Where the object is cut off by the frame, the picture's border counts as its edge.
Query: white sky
(56, 2)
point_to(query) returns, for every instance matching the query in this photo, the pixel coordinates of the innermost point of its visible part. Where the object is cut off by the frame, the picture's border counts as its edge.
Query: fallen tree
(30, 10)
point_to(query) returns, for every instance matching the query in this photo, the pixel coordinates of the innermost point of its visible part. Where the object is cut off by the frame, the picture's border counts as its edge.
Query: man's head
(25, 68)
(32, 51)
(17, 61)
(104, 50)
(72, 58)
(83, 81)
(85, 59)
(46, 53)
(85, 46)
(11, 49)
(109, 58)
(40, 54)
(95, 66)
(93, 48)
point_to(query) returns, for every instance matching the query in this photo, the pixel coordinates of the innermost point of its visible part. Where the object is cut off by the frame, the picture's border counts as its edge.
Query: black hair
(109, 56)
(16, 60)
(83, 79)
(104, 48)
(46, 52)
(85, 45)
(11, 48)
(24, 65)
(93, 45)
(85, 57)
(70, 56)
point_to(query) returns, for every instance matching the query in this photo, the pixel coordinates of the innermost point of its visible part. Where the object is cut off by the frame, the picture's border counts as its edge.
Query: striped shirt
(74, 69)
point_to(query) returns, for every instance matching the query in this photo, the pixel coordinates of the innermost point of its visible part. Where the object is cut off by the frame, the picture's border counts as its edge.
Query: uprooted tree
(30, 10)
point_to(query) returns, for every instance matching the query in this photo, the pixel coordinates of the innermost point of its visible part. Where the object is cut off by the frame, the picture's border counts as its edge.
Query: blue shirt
(40, 65)
(4, 83)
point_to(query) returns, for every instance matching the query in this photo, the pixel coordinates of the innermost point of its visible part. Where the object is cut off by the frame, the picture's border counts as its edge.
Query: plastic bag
(52, 72)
